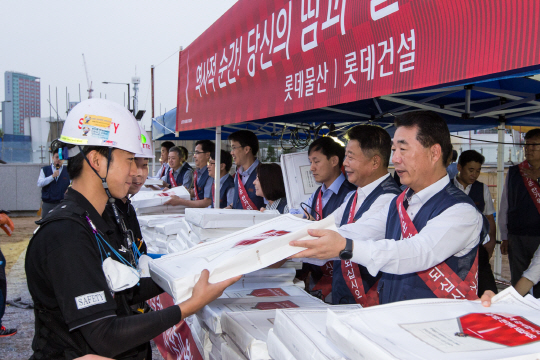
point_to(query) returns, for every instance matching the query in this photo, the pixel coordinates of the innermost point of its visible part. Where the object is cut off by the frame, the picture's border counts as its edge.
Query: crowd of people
(426, 235)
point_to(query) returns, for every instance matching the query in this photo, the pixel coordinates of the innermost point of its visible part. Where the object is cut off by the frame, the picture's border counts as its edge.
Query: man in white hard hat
(74, 274)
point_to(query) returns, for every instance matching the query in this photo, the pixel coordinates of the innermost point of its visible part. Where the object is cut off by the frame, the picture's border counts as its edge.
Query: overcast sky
(47, 39)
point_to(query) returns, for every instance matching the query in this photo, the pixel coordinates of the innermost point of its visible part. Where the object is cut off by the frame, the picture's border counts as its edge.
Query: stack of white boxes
(152, 202)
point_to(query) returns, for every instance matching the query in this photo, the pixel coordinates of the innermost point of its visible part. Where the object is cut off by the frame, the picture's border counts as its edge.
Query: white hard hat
(146, 143)
(99, 122)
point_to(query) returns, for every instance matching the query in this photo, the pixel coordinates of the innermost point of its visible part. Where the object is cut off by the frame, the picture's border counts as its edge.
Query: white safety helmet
(146, 143)
(99, 122)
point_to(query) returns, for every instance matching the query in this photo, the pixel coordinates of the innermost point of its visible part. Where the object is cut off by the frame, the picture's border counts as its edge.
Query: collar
(202, 170)
(458, 184)
(431, 190)
(250, 169)
(368, 189)
(76, 197)
(335, 185)
(176, 172)
(224, 178)
(61, 166)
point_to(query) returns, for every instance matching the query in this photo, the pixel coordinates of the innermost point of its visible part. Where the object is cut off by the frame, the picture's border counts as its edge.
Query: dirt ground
(14, 249)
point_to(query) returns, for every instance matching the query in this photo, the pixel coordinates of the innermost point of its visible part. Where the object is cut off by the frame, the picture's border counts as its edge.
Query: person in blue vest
(180, 173)
(53, 181)
(469, 166)
(425, 241)
(164, 159)
(519, 213)
(226, 181)
(201, 193)
(269, 184)
(367, 156)
(244, 149)
(326, 158)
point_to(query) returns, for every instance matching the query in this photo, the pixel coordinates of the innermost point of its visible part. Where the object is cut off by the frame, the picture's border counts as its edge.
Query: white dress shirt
(363, 193)
(43, 180)
(455, 232)
(489, 209)
(533, 271)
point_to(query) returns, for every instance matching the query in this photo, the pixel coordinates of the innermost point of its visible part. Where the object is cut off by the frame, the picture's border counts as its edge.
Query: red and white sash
(172, 179)
(352, 276)
(195, 187)
(162, 170)
(532, 186)
(245, 200)
(325, 282)
(318, 206)
(440, 279)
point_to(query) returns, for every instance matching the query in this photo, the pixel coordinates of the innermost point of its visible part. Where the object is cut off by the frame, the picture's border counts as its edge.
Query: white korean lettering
(389, 50)
(370, 69)
(268, 42)
(321, 76)
(285, 20)
(222, 69)
(299, 83)
(311, 28)
(403, 45)
(350, 64)
(336, 18)
(252, 48)
(288, 87)
(310, 79)
(377, 14)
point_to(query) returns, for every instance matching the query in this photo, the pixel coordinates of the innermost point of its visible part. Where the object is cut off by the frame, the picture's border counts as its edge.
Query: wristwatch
(346, 254)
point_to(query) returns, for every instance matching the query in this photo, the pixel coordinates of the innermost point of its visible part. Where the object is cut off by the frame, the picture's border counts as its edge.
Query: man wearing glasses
(201, 194)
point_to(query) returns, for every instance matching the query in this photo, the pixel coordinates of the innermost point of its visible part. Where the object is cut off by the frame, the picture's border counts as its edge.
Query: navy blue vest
(477, 195)
(223, 190)
(180, 178)
(282, 204)
(54, 192)
(201, 183)
(258, 201)
(340, 291)
(523, 217)
(335, 201)
(410, 286)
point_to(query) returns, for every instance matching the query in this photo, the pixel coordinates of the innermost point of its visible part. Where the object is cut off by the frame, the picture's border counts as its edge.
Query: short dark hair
(246, 138)
(532, 134)
(75, 163)
(271, 180)
(167, 145)
(454, 155)
(432, 129)
(226, 158)
(329, 148)
(471, 155)
(178, 150)
(206, 145)
(186, 152)
(372, 139)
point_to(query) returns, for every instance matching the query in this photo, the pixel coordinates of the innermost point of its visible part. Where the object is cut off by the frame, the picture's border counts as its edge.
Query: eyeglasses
(211, 163)
(233, 148)
(200, 152)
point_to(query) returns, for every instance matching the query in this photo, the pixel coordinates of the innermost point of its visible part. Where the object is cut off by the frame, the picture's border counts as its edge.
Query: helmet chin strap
(128, 234)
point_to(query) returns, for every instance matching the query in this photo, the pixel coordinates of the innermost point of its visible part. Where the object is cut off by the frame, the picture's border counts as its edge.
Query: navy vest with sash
(201, 183)
(258, 201)
(523, 217)
(282, 204)
(335, 201)
(180, 177)
(340, 291)
(394, 287)
(223, 190)
(54, 192)
(477, 195)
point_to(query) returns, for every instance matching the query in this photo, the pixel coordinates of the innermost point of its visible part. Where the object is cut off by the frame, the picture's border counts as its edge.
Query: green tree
(271, 155)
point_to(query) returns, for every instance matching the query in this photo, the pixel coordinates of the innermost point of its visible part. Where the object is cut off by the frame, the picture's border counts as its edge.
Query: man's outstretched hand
(327, 245)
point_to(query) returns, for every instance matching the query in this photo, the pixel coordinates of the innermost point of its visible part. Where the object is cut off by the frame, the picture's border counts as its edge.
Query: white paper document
(227, 218)
(211, 313)
(298, 178)
(155, 198)
(440, 329)
(240, 253)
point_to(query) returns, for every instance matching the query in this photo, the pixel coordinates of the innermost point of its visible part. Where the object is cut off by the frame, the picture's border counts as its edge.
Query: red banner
(273, 57)
(176, 343)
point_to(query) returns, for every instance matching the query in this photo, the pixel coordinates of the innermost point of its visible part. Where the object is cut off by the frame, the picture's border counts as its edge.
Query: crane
(90, 90)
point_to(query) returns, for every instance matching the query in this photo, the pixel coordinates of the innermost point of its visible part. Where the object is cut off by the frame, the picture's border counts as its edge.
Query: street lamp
(117, 83)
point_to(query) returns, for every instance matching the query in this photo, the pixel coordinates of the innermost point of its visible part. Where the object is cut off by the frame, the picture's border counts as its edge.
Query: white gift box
(207, 234)
(155, 198)
(211, 313)
(153, 220)
(276, 349)
(240, 253)
(150, 182)
(227, 218)
(161, 210)
(303, 332)
(433, 329)
(229, 351)
(169, 228)
(264, 290)
(200, 334)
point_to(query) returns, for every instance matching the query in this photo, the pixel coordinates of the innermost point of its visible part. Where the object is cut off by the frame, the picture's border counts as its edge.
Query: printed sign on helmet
(147, 151)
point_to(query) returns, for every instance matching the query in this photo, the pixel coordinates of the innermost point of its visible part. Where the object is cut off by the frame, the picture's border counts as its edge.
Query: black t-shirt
(130, 219)
(64, 266)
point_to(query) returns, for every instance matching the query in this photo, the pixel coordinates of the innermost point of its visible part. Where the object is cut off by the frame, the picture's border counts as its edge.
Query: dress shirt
(332, 189)
(363, 193)
(165, 167)
(533, 272)
(489, 209)
(44, 181)
(207, 194)
(244, 175)
(502, 216)
(230, 192)
(452, 170)
(188, 176)
(455, 232)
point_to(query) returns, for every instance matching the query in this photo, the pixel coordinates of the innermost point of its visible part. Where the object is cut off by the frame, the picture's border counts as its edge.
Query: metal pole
(129, 96)
(152, 81)
(218, 167)
(500, 183)
(57, 116)
(152, 118)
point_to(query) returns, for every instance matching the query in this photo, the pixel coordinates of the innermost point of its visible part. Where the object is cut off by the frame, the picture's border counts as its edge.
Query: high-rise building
(22, 100)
